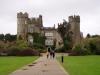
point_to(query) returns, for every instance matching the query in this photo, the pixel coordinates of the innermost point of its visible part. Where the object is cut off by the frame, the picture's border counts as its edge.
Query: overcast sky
(53, 12)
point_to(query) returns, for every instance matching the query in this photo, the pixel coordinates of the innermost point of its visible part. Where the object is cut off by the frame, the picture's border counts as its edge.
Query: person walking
(53, 54)
(47, 54)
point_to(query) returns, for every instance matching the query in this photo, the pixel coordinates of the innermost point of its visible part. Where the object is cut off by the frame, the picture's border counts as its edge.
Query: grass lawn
(82, 65)
(10, 64)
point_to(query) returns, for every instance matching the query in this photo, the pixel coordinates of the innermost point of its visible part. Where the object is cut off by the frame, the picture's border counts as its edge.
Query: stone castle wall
(27, 25)
(24, 24)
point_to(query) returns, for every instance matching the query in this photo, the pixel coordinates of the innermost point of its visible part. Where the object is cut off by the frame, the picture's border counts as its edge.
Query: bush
(13, 51)
(18, 48)
(94, 45)
(3, 52)
(87, 47)
(21, 44)
(42, 50)
(23, 52)
(28, 52)
(38, 46)
(79, 50)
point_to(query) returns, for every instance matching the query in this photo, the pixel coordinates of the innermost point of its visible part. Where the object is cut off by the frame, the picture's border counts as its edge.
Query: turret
(70, 18)
(40, 20)
(74, 22)
(22, 19)
(25, 15)
(19, 15)
(77, 18)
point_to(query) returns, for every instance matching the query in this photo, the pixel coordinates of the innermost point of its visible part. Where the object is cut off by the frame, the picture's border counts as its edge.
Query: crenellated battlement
(75, 18)
(33, 20)
(22, 15)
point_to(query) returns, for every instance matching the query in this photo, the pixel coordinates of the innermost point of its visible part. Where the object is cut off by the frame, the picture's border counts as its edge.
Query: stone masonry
(27, 25)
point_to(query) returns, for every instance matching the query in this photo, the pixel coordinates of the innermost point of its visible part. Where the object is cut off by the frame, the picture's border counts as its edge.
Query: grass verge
(10, 64)
(82, 65)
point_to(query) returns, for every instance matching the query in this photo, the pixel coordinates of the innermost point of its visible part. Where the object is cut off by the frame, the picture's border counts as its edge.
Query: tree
(62, 31)
(13, 37)
(39, 41)
(10, 38)
(21, 44)
(94, 36)
(66, 34)
(88, 35)
(7, 37)
(2, 37)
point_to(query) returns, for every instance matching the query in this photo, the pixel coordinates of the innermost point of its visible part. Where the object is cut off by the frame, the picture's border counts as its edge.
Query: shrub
(79, 50)
(21, 44)
(42, 50)
(94, 45)
(13, 51)
(28, 52)
(22, 52)
(3, 52)
(38, 46)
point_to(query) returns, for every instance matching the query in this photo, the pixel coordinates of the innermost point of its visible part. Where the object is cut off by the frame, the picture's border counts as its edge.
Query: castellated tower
(74, 22)
(22, 19)
(40, 21)
(26, 25)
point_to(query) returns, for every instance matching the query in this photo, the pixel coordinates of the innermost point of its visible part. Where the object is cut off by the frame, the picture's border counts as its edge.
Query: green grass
(82, 65)
(10, 64)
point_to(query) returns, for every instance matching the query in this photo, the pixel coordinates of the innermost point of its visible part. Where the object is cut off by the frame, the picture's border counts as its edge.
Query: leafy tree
(10, 38)
(21, 44)
(80, 50)
(88, 35)
(62, 31)
(66, 35)
(2, 37)
(39, 41)
(39, 38)
(94, 36)
(14, 37)
(90, 45)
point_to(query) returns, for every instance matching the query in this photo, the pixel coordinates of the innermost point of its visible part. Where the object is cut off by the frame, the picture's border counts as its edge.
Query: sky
(53, 12)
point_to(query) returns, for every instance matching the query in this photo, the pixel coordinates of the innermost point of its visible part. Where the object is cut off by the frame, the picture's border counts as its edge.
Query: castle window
(30, 30)
(49, 42)
(48, 34)
(25, 22)
(30, 39)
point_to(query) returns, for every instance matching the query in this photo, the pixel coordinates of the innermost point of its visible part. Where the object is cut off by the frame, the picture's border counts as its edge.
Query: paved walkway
(42, 66)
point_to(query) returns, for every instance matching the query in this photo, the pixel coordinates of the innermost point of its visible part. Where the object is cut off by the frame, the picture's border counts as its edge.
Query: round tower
(75, 28)
(22, 25)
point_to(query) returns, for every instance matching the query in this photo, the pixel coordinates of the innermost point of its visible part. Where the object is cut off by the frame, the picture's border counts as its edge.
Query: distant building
(26, 25)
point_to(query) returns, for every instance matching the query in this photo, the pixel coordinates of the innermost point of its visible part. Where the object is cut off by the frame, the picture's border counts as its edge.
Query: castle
(26, 25)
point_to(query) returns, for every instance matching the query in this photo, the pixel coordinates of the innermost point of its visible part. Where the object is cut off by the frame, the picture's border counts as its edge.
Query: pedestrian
(47, 54)
(50, 53)
(53, 54)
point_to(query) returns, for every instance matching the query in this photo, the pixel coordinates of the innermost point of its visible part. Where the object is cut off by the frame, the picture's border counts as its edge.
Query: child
(47, 54)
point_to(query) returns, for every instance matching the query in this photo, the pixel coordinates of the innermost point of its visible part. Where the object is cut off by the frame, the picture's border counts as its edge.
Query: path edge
(62, 68)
